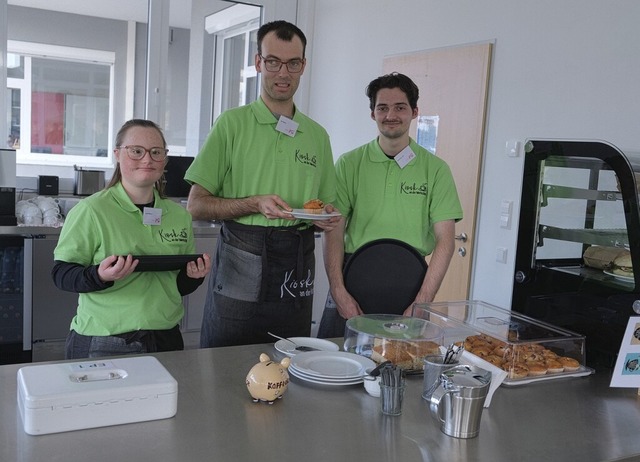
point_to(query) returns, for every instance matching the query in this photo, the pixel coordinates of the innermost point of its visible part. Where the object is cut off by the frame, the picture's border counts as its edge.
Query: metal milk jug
(458, 401)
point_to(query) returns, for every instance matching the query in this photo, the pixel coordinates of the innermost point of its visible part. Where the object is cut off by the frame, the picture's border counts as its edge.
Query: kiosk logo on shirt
(306, 158)
(414, 188)
(173, 235)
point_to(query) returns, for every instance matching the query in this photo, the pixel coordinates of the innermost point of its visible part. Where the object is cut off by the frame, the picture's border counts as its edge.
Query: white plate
(290, 350)
(299, 373)
(302, 214)
(332, 364)
(323, 381)
(619, 276)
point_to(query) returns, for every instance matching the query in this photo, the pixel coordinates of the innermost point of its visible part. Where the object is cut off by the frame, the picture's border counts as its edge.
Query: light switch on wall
(505, 214)
(505, 207)
(501, 254)
(513, 148)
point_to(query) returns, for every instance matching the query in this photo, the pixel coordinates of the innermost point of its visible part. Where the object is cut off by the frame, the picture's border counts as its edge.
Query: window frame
(239, 19)
(30, 50)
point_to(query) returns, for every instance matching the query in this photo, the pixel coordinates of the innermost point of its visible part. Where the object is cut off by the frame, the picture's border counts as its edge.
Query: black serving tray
(163, 262)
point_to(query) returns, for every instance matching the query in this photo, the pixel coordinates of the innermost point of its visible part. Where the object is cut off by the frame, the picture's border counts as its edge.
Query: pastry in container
(529, 350)
(403, 340)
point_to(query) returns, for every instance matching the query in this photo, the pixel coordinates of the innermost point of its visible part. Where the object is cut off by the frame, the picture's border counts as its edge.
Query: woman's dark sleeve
(186, 285)
(73, 277)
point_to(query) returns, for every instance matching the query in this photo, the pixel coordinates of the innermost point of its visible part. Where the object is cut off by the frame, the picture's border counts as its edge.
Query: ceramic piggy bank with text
(268, 380)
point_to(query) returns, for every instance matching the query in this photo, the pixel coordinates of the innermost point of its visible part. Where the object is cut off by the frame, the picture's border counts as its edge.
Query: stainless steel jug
(458, 401)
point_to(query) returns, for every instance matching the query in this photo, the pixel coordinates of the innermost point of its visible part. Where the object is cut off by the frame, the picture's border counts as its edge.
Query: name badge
(151, 216)
(404, 157)
(287, 126)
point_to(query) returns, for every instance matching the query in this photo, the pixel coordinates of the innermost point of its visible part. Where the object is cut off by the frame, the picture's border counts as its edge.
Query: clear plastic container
(528, 349)
(403, 340)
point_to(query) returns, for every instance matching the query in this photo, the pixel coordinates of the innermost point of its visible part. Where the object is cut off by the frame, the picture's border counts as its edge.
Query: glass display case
(578, 241)
(527, 349)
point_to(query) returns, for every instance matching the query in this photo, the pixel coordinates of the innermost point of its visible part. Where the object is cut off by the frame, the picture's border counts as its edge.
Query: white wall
(565, 69)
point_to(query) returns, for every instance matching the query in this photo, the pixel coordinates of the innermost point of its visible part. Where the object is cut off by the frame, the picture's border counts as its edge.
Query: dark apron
(266, 264)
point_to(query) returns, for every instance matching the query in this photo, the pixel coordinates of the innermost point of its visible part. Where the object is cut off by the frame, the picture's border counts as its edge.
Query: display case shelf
(566, 192)
(604, 237)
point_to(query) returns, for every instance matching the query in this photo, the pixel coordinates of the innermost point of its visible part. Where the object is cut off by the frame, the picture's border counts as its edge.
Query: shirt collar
(264, 115)
(123, 199)
(376, 154)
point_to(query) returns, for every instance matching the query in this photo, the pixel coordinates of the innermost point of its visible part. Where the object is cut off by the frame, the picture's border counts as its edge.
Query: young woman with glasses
(121, 310)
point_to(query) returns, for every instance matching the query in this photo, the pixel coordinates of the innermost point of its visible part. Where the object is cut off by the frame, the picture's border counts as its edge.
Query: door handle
(461, 237)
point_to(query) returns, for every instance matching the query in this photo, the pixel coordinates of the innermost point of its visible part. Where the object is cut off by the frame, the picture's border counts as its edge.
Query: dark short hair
(284, 31)
(393, 80)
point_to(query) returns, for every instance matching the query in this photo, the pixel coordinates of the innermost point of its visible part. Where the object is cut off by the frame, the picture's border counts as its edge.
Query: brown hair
(117, 174)
(393, 80)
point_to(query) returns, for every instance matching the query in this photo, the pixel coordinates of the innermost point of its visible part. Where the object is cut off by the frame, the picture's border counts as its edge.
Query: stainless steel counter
(569, 419)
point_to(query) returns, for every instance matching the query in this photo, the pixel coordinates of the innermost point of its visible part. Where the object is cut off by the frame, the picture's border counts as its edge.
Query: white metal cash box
(55, 398)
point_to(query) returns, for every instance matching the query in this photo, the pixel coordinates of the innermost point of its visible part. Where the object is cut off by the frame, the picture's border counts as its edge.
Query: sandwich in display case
(579, 241)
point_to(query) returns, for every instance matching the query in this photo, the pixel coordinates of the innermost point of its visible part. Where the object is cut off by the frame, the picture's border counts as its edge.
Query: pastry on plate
(314, 206)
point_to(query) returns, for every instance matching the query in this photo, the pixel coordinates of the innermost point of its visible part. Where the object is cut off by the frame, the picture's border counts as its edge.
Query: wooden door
(453, 85)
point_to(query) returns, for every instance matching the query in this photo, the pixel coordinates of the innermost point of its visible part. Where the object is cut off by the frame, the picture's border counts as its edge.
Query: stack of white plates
(335, 368)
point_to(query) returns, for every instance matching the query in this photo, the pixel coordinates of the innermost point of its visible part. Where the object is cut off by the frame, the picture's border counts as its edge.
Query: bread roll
(407, 354)
(622, 265)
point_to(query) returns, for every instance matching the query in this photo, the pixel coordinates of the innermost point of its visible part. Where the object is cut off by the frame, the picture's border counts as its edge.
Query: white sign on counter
(627, 370)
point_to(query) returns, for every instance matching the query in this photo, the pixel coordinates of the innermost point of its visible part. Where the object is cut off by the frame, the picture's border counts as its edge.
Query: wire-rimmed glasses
(138, 152)
(274, 65)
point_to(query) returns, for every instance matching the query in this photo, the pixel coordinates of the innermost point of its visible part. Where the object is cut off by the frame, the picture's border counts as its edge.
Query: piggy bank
(268, 380)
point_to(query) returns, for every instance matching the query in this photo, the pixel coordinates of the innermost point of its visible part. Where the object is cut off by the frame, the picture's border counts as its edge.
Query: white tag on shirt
(151, 216)
(287, 126)
(404, 157)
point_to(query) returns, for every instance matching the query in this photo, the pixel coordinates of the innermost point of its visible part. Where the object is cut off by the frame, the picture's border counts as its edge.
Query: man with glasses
(260, 162)
(390, 188)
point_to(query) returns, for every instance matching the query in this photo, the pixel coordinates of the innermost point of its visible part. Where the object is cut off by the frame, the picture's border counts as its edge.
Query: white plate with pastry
(308, 214)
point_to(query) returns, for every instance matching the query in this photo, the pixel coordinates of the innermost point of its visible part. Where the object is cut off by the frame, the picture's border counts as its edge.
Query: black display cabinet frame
(561, 289)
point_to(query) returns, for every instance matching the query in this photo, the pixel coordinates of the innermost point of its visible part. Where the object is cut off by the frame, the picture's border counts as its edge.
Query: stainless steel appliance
(12, 319)
(34, 314)
(7, 187)
(51, 309)
(88, 181)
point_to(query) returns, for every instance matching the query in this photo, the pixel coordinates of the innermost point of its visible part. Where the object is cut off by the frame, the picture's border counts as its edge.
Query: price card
(626, 373)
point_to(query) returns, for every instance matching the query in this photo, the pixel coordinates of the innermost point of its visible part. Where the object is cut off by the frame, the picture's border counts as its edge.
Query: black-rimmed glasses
(138, 152)
(274, 65)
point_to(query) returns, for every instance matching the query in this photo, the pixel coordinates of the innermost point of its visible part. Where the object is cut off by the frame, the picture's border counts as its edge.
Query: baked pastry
(569, 364)
(314, 206)
(554, 366)
(531, 359)
(516, 370)
(536, 368)
(407, 354)
(496, 360)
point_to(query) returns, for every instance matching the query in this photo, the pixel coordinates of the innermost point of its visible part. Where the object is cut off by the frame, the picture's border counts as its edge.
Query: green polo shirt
(244, 155)
(108, 223)
(382, 200)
